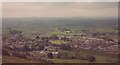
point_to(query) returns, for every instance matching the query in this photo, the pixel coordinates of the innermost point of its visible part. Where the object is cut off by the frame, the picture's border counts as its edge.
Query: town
(42, 48)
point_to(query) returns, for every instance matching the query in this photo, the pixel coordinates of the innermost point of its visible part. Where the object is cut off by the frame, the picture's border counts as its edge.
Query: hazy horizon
(65, 10)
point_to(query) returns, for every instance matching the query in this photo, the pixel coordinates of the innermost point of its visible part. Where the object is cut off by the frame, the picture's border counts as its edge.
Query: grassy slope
(12, 59)
(0, 60)
(68, 61)
(100, 59)
(100, 56)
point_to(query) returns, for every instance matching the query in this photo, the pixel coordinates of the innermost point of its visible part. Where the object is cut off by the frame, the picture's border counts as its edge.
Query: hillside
(13, 59)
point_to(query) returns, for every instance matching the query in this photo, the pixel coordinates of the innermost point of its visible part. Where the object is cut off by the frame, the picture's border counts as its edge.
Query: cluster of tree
(54, 37)
(66, 47)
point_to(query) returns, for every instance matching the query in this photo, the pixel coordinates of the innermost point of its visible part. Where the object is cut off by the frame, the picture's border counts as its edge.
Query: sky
(60, 0)
(63, 9)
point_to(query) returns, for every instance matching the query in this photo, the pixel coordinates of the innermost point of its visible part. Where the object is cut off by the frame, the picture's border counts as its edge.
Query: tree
(50, 55)
(41, 46)
(37, 37)
(26, 48)
(91, 58)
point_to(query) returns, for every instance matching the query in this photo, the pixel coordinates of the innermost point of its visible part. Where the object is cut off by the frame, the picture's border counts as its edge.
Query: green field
(57, 42)
(100, 56)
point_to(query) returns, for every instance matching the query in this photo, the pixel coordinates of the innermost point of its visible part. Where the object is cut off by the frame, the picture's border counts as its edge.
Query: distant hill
(42, 23)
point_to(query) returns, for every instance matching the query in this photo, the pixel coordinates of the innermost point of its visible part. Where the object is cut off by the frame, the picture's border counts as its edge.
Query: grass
(0, 60)
(100, 56)
(13, 59)
(56, 60)
(104, 59)
(58, 42)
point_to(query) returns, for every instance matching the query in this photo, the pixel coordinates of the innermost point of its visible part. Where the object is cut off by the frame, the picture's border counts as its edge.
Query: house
(66, 30)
